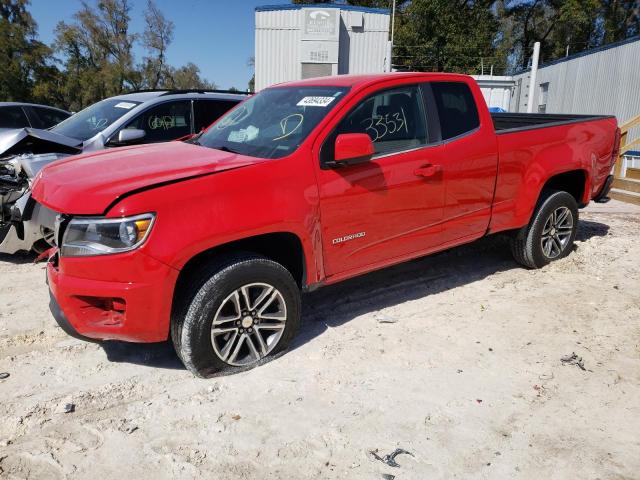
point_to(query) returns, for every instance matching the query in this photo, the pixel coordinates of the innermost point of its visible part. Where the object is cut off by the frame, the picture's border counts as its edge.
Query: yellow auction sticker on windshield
(315, 101)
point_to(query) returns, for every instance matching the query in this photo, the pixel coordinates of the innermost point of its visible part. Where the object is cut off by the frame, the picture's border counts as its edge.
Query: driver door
(390, 207)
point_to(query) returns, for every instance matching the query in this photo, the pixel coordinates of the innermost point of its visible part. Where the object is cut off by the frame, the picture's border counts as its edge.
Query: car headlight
(101, 236)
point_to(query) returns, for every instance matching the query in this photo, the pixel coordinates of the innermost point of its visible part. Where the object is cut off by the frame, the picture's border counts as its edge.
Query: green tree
(188, 77)
(156, 38)
(97, 48)
(620, 20)
(28, 71)
(444, 35)
(558, 24)
(563, 26)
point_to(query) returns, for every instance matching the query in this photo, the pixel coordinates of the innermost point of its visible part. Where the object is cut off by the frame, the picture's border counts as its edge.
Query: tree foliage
(445, 35)
(156, 38)
(27, 66)
(92, 56)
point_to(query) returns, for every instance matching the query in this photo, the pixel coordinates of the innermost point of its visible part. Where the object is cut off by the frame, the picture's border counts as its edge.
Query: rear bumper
(119, 297)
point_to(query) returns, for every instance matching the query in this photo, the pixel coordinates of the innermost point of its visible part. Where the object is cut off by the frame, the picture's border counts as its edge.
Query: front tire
(550, 234)
(235, 315)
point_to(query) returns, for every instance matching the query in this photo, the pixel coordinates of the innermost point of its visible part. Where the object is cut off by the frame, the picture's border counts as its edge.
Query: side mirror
(353, 147)
(129, 135)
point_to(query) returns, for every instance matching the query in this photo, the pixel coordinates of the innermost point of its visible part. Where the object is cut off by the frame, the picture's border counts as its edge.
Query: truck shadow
(157, 355)
(19, 258)
(335, 305)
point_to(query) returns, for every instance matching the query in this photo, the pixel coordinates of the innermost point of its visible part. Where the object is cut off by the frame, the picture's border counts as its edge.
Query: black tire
(526, 244)
(197, 303)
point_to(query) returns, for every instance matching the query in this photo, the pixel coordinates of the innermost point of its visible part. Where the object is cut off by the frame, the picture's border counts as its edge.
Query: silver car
(135, 118)
(18, 115)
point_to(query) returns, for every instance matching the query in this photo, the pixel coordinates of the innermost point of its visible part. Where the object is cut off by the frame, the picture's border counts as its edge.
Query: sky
(216, 35)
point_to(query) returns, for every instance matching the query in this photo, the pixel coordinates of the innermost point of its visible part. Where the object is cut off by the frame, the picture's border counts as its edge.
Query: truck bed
(515, 122)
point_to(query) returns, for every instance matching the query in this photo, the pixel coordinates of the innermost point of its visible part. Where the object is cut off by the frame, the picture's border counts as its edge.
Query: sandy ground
(454, 358)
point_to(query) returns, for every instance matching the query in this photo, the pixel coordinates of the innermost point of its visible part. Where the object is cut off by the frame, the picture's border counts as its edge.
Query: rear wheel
(235, 314)
(550, 233)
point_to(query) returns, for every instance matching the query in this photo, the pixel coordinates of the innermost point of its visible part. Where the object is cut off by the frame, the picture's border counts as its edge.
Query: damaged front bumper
(23, 221)
(29, 222)
(125, 296)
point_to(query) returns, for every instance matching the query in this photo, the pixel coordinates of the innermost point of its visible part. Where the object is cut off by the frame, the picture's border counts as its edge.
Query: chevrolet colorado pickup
(209, 242)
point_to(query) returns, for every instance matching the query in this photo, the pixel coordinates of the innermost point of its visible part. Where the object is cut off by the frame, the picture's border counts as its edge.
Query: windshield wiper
(194, 140)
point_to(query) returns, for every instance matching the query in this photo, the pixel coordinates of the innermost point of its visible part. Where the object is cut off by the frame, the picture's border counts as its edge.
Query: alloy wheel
(557, 232)
(248, 324)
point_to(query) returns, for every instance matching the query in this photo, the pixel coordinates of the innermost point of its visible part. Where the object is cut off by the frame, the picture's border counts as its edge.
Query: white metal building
(294, 42)
(604, 80)
(497, 90)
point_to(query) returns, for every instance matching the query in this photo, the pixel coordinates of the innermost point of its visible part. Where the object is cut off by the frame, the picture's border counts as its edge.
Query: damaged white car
(142, 117)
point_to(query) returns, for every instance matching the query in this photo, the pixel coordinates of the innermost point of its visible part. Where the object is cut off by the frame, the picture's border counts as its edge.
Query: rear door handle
(428, 170)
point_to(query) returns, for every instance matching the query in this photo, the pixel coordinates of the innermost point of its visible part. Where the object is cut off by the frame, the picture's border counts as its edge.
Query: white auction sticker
(126, 105)
(315, 101)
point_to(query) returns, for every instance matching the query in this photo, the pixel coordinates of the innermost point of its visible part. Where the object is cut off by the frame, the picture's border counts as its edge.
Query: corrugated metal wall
(277, 42)
(278, 37)
(603, 82)
(367, 48)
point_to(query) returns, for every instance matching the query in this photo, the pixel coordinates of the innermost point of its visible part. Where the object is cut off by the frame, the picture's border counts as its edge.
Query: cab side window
(208, 111)
(13, 117)
(456, 108)
(49, 117)
(394, 119)
(164, 122)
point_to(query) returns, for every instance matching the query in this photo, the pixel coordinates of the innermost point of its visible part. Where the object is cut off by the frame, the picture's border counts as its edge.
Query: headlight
(100, 236)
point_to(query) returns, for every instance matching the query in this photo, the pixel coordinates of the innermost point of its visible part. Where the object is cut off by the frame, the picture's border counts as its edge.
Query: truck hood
(88, 184)
(36, 141)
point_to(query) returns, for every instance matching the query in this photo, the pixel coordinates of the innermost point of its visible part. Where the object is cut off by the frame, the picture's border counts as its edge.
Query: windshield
(273, 123)
(94, 119)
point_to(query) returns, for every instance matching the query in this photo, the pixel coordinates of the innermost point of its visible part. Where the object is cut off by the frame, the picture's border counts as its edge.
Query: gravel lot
(455, 358)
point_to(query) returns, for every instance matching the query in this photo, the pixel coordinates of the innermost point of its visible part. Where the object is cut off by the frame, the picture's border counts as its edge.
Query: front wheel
(236, 314)
(551, 232)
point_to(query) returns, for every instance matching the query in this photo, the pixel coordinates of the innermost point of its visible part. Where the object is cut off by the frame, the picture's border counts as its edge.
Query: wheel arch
(284, 248)
(575, 182)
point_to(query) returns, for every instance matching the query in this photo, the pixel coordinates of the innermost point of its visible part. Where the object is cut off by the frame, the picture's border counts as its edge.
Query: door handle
(427, 170)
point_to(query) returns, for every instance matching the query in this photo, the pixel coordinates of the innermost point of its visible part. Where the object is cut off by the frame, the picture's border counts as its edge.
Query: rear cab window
(456, 108)
(49, 117)
(208, 111)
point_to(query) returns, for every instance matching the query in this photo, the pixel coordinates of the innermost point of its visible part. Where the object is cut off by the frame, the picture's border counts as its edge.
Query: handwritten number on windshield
(380, 127)
(288, 121)
(233, 118)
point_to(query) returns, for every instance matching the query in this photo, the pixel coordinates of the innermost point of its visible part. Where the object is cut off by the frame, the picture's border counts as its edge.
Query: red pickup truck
(209, 242)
